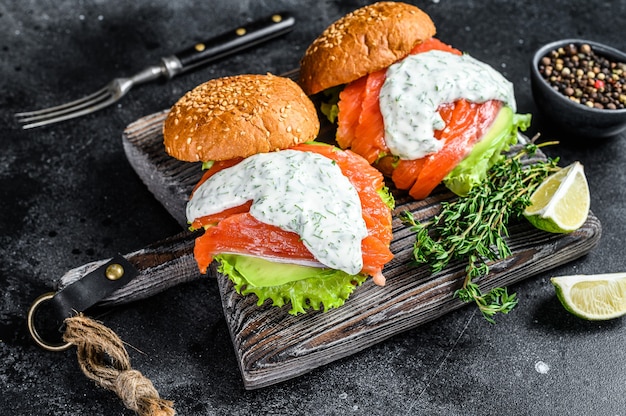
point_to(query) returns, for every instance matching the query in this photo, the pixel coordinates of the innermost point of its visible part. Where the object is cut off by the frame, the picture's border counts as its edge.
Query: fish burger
(418, 109)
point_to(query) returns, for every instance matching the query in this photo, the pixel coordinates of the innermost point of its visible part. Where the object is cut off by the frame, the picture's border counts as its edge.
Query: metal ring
(33, 330)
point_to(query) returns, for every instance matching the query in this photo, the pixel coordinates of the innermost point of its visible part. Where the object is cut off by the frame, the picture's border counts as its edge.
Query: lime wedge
(561, 203)
(593, 297)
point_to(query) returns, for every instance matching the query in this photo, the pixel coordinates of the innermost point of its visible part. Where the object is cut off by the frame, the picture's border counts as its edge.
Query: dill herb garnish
(473, 228)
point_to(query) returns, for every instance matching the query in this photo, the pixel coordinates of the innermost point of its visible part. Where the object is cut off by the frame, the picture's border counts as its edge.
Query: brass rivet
(199, 47)
(114, 271)
(241, 31)
(277, 18)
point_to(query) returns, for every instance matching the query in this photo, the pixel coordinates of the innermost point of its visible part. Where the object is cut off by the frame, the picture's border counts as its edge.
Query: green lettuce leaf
(501, 135)
(302, 287)
(207, 165)
(387, 197)
(329, 106)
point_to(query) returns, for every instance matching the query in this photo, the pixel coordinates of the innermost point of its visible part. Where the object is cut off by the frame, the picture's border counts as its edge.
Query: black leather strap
(93, 287)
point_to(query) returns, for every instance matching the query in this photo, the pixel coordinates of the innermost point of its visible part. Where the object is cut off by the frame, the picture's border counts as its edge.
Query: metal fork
(201, 53)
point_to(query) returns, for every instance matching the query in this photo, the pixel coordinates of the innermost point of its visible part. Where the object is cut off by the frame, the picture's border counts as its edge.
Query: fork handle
(228, 43)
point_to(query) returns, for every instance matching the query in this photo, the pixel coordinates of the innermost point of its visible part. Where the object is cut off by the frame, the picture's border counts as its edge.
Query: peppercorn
(585, 77)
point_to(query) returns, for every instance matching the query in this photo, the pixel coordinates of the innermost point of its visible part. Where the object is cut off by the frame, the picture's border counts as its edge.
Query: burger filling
(328, 225)
(421, 120)
(301, 192)
(417, 86)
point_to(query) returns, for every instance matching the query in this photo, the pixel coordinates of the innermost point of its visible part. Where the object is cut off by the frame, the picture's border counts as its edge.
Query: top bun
(364, 41)
(239, 116)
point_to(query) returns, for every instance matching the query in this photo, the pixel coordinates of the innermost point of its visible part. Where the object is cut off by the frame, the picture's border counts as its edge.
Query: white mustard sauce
(302, 192)
(416, 86)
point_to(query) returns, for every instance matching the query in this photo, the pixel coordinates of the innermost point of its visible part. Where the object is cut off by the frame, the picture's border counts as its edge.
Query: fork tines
(77, 108)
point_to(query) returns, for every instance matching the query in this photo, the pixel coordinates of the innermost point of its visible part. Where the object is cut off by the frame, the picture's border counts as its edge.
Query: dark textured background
(68, 196)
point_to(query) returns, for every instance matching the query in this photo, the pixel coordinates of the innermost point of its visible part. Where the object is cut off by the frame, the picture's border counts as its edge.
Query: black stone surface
(68, 196)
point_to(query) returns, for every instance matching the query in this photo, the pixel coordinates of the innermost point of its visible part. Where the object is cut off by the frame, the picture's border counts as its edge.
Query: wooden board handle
(161, 265)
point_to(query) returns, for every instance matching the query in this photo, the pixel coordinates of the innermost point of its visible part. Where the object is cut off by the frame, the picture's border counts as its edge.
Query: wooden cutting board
(272, 346)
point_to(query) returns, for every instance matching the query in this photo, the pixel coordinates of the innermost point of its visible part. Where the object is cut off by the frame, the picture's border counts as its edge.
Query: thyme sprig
(473, 228)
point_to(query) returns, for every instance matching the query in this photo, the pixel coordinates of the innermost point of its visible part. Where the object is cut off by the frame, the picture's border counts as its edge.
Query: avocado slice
(501, 135)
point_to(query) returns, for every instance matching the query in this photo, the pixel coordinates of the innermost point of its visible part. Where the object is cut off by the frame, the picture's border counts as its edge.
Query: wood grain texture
(273, 346)
(169, 179)
(161, 265)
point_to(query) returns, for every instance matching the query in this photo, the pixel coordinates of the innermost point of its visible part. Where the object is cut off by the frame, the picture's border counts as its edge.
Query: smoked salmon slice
(363, 129)
(350, 99)
(237, 231)
(244, 234)
(370, 131)
(465, 125)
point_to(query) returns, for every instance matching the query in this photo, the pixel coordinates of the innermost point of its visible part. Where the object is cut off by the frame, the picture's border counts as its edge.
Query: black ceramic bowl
(575, 118)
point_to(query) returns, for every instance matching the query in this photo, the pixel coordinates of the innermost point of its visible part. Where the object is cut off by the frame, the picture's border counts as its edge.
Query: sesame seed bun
(239, 116)
(364, 41)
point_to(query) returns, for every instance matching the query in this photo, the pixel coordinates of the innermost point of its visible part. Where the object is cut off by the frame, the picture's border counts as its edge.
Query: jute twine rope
(103, 359)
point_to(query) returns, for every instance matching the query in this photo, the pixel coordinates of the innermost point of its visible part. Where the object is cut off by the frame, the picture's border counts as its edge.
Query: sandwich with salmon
(418, 109)
(285, 218)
